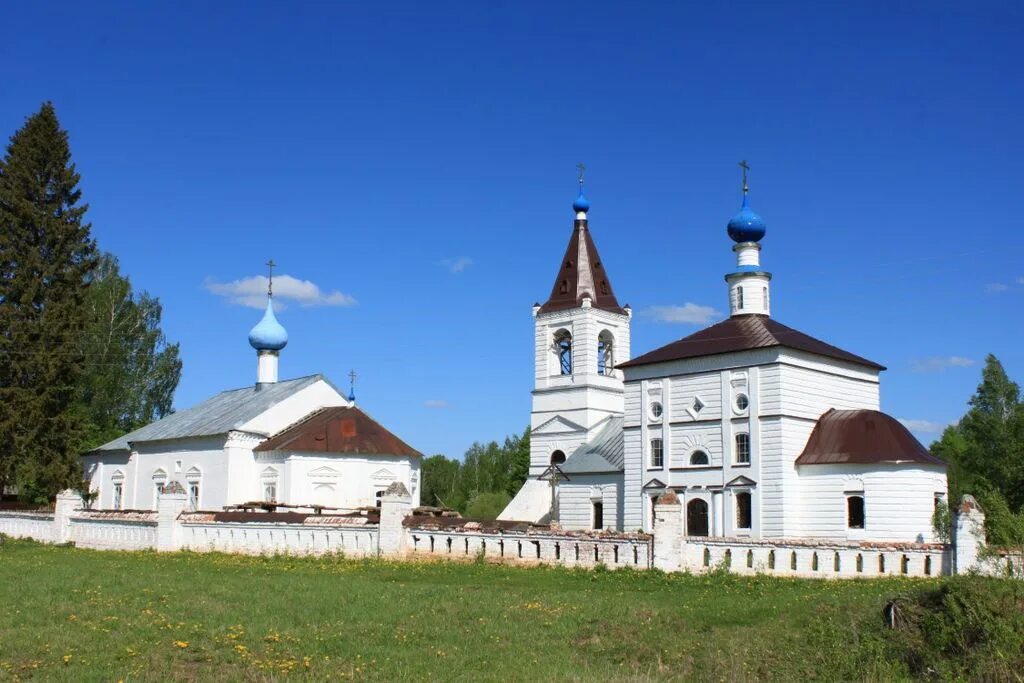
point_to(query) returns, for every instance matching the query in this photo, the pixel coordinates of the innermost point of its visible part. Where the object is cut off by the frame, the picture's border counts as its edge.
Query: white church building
(761, 430)
(298, 442)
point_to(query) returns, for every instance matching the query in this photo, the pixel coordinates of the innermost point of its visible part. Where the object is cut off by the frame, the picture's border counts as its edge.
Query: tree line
(985, 454)
(483, 483)
(83, 358)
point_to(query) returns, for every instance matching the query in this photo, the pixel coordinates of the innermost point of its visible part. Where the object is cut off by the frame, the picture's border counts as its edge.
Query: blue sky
(415, 163)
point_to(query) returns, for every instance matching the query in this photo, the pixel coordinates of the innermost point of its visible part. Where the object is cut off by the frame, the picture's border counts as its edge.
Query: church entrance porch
(697, 518)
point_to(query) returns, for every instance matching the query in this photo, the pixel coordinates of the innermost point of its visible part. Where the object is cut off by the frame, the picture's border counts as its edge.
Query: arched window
(855, 512)
(697, 518)
(563, 348)
(743, 449)
(557, 457)
(605, 353)
(699, 458)
(743, 510)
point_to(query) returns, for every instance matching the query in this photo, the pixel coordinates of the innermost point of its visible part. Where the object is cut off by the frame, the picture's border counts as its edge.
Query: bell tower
(580, 335)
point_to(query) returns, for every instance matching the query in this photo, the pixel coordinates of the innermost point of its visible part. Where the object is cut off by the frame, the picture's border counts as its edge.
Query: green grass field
(70, 614)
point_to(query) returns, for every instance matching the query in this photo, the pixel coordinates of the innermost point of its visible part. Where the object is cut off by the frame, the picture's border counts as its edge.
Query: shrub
(487, 505)
(968, 627)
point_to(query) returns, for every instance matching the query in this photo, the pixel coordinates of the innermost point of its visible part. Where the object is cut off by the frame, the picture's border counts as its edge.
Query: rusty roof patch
(340, 429)
(581, 273)
(742, 333)
(862, 437)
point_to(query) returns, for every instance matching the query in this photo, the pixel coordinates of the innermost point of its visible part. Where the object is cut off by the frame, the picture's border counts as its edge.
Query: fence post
(395, 505)
(968, 535)
(67, 502)
(668, 533)
(171, 504)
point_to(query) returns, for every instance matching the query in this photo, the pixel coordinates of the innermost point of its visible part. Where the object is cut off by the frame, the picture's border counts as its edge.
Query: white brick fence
(399, 533)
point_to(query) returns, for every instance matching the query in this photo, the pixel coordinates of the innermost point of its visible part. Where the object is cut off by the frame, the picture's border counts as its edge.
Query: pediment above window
(741, 482)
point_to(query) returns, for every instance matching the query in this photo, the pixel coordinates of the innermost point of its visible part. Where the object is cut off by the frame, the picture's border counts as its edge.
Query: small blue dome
(746, 226)
(581, 203)
(268, 335)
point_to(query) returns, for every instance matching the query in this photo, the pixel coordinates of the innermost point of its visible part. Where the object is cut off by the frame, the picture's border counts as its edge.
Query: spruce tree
(46, 256)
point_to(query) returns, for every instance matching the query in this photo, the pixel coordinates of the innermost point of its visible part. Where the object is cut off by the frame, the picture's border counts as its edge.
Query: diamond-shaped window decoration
(698, 405)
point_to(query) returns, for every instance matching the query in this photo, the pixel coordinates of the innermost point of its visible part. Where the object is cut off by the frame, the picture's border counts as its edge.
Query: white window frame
(863, 509)
(657, 455)
(736, 448)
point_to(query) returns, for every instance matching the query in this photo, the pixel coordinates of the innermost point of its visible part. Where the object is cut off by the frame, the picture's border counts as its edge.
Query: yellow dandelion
(181, 643)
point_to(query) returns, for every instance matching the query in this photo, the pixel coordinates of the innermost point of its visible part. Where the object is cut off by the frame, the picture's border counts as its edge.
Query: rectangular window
(657, 453)
(739, 297)
(743, 510)
(743, 449)
(855, 512)
(158, 490)
(193, 496)
(270, 493)
(598, 515)
(118, 496)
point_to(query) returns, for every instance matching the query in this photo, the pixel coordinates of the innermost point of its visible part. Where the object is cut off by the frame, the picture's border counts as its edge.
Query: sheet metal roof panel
(338, 429)
(862, 437)
(219, 414)
(742, 333)
(604, 453)
(581, 272)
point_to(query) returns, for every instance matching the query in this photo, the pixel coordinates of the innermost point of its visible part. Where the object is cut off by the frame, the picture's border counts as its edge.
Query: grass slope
(70, 614)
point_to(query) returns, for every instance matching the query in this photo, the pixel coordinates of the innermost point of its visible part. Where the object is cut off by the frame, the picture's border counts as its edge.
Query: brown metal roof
(339, 429)
(864, 437)
(742, 333)
(581, 272)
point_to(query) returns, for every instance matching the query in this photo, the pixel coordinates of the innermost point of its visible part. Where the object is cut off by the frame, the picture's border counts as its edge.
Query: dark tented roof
(742, 333)
(863, 437)
(220, 414)
(581, 272)
(604, 453)
(339, 429)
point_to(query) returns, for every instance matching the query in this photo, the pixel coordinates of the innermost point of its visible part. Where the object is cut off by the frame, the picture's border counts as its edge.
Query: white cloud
(689, 312)
(1020, 280)
(252, 292)
(941, 363)
(456, 265)
(996, 287)
(922, 426)
(436, 404)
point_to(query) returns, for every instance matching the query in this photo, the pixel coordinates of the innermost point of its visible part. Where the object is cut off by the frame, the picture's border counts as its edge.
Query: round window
(742, 402)
(656, 410)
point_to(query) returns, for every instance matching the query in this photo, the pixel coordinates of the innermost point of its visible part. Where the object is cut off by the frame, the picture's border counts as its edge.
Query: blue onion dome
(581, 203)
(746, 226)
(268, 335)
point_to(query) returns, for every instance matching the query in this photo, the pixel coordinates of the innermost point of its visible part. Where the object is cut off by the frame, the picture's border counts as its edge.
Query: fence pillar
(395, 506)
(67, 502)
(668, 533)
(171, 504)
(968, 535)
